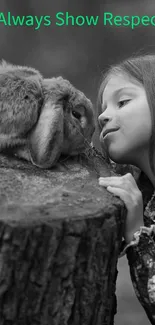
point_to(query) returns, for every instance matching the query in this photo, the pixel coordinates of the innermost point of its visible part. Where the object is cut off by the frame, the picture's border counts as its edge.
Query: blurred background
(81, 54)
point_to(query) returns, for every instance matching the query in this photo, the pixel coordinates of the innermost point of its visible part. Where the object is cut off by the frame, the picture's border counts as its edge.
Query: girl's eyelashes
(119, 103)
(122, 103)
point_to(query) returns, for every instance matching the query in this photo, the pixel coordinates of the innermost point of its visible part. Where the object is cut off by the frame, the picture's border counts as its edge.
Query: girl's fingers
(126, 182)
(131, 200)
(126, 177)
(123, 195)
(112, 182)
(103, 180)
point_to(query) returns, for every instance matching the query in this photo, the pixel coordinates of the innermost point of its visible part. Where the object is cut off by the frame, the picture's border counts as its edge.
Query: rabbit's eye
(76, 114)
(26, 97)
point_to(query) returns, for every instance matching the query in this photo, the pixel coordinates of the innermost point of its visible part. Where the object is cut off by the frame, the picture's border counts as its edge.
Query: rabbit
(42, 118)
(65, 125)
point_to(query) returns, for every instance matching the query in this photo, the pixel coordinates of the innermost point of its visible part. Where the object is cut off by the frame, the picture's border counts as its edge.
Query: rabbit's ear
(46, 139)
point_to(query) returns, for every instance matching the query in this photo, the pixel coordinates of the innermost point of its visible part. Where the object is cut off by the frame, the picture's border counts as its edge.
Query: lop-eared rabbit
(40, 119)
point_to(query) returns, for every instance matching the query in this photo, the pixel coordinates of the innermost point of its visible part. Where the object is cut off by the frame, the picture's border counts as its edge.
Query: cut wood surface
(60, 235)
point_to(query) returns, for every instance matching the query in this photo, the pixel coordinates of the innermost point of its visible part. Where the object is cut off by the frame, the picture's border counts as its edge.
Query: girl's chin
(118, 156)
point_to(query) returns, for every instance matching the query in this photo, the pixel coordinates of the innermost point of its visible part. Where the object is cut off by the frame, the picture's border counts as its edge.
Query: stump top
(69, 190)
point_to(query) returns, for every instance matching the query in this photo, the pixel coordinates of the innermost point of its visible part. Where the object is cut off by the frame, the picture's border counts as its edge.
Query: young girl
(126, 109)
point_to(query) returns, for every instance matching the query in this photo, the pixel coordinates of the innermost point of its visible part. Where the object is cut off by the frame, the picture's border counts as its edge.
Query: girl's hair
(141, 68)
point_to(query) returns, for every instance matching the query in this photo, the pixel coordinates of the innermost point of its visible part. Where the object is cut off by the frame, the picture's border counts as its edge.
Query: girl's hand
(126, 188)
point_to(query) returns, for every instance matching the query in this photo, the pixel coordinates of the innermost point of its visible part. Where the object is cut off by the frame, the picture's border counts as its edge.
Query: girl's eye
(76, 114)
(123, 102)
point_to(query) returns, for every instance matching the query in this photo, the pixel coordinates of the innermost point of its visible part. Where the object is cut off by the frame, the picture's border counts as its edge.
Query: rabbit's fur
(20, 101)
(40, 119)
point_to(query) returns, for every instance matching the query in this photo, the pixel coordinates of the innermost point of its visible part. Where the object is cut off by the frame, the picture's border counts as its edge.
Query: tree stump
(60, 235)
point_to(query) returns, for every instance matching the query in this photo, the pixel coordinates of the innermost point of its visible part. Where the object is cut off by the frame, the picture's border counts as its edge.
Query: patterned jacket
(141, 251)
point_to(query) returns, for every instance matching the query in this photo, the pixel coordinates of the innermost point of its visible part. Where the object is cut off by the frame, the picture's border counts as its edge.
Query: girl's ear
(46, 139)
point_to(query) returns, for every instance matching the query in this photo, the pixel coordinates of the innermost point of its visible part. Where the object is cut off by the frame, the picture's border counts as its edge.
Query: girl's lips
(103, 133)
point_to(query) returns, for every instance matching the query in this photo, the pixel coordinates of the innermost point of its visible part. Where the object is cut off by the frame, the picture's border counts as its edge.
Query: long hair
(141, 68)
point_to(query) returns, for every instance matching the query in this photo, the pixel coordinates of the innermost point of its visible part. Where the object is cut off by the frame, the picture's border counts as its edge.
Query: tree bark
(60, 236)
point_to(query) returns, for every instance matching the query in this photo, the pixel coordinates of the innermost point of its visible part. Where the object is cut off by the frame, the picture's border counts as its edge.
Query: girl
(126, 109)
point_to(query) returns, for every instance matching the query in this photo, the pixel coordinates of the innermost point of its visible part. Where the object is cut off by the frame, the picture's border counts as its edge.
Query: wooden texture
(60, 234)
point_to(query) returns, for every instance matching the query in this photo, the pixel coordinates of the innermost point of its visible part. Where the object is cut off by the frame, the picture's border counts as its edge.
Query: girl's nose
(103, 119)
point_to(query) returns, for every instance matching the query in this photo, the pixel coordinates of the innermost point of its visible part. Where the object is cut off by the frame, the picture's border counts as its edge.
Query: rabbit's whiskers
(90, 151)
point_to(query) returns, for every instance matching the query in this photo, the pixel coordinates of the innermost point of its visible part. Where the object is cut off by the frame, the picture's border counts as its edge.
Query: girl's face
(125, 110)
